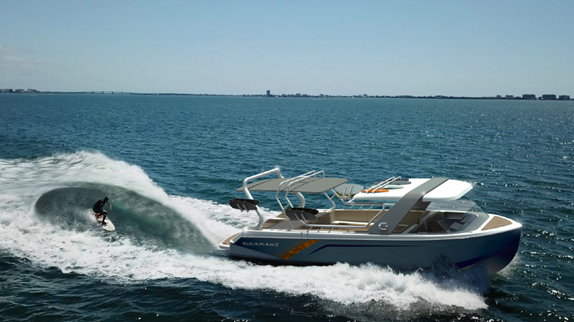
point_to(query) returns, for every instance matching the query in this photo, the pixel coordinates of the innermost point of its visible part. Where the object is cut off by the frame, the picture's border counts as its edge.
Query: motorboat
(397, 222)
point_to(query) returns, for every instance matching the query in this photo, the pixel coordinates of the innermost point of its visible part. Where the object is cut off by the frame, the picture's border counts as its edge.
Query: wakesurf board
(109, 226)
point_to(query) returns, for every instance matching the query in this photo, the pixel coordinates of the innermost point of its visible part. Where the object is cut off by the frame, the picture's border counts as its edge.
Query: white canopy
(305, 185)
(449, 190)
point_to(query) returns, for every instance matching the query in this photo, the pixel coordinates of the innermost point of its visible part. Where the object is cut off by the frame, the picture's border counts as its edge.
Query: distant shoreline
(533, 97)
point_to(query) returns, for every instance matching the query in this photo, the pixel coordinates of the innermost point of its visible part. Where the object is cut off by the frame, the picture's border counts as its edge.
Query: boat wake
(45, 217)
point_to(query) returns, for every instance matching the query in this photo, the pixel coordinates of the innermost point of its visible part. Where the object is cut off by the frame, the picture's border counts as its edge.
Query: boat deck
(497, 222)
(415, 221)
(228, 240)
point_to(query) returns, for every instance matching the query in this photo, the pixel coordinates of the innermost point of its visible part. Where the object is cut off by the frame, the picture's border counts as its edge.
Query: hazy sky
(471, 48)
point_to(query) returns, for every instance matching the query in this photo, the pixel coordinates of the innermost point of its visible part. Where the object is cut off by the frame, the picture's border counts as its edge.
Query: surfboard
(109, 226)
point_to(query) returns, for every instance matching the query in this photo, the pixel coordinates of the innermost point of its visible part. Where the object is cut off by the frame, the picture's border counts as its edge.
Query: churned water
(170, 163)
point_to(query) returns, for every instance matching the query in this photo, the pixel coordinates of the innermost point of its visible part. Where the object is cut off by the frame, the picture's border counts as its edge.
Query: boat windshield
(455, 205)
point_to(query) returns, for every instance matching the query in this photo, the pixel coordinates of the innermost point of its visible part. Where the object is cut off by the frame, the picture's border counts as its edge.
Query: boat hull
(496, 249)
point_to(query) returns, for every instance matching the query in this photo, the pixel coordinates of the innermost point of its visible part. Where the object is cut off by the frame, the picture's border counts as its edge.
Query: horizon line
(299, 95)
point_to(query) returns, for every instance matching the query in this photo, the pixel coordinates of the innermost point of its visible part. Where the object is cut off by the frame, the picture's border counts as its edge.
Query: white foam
(216, 222)
(95, 254)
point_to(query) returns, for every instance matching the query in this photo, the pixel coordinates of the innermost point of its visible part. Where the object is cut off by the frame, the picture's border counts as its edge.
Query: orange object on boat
(375, 190)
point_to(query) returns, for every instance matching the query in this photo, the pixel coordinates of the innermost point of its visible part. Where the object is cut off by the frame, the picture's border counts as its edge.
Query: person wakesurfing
(99, 209)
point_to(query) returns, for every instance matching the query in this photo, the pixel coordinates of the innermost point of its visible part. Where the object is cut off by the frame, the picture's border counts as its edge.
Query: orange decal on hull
(294, 251)
(288, 248)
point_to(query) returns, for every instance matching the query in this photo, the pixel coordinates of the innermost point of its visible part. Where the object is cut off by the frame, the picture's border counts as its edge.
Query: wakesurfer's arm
(110, 206)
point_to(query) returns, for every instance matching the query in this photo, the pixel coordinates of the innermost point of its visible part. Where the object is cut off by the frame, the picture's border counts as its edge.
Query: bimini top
(304, 185)
(449, 190)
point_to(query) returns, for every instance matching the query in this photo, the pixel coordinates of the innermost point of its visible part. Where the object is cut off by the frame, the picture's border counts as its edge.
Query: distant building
(549, 97)
(528, 97)
(268, 93)
(564, 97)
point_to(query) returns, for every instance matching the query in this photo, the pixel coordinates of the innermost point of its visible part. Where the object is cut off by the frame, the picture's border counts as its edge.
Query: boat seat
(455, 226)
(301, 213)
(400, 228)
(272, 222)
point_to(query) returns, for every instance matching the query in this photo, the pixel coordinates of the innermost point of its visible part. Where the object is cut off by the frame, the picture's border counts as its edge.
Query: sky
(455, 48)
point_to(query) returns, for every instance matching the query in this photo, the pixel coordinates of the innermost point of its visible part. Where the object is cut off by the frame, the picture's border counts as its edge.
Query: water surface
(170, 164)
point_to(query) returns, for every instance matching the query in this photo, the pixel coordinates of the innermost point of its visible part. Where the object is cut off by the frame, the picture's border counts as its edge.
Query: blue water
(170, 163)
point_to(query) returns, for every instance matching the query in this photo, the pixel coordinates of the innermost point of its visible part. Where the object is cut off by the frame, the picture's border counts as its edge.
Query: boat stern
(225, 244)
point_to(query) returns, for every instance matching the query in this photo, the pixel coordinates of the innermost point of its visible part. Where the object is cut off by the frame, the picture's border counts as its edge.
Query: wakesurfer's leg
(104, 213)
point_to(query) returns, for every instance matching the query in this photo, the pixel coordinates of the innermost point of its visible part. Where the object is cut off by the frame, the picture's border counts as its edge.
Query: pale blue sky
(473, 48)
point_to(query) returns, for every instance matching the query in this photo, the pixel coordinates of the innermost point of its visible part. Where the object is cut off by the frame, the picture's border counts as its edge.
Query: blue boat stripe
(338, 245)
(459, 264)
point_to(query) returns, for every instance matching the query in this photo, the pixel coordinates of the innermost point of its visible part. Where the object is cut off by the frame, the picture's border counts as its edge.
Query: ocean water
(170, 164)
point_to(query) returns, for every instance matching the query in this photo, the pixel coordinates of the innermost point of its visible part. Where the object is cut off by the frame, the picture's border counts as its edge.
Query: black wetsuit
(99, 207)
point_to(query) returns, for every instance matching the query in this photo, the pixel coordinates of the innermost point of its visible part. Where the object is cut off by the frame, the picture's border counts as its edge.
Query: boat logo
(260, 244)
